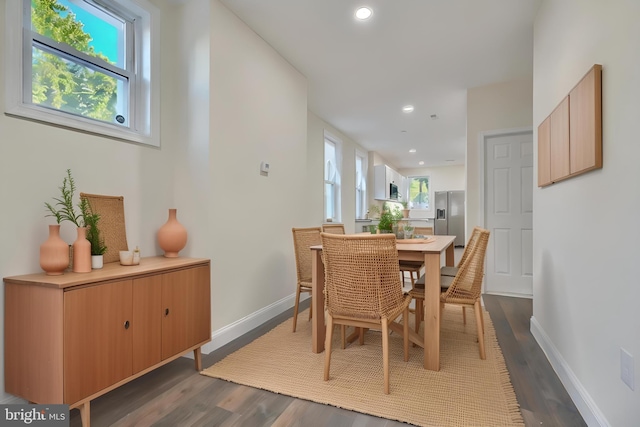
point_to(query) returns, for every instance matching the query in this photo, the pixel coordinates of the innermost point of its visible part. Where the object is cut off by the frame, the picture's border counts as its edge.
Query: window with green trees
(419, 192)
(86, 64)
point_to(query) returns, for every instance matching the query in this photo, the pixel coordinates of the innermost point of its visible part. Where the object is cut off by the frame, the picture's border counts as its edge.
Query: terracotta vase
(54, 253)
(82, 252)
(172, 236)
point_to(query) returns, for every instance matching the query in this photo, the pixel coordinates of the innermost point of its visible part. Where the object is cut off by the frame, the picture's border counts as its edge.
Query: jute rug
(466, 391)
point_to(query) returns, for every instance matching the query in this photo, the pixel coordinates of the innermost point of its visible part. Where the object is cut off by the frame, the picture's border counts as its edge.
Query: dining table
(431, 252)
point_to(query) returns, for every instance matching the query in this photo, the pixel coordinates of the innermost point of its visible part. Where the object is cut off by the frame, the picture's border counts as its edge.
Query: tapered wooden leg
(295, 308)
(385, 355)
(85, 414)
(477, 308)
(327, 347)
(418, 314)
(405, 333)
(464, 315)
(197, 356)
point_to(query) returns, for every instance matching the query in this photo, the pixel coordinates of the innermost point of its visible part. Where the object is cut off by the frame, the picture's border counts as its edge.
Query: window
(85, 64)
(361, 185)
(419, 192)
(331, 179)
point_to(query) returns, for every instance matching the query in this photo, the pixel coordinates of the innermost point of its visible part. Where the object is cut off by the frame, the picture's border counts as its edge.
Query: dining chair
(111, 223)
(424, 231)
(363, 289)
(333, 228)
(451, 270)
(303, 238)
(464, 289)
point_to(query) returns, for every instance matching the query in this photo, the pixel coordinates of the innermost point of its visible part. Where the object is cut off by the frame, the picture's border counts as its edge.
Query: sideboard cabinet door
(147, 322)
(186, 303)
(97, 338)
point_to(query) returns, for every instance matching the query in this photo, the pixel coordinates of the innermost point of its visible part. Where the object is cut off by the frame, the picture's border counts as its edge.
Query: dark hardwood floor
(176, 395)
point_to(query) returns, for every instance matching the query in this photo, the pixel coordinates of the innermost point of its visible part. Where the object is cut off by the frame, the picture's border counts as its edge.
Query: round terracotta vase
(172, 236)
(82, 252)
(54, 253)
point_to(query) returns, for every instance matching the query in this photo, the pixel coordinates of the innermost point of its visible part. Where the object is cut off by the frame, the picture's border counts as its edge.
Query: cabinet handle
(166, 311)
(126, 324)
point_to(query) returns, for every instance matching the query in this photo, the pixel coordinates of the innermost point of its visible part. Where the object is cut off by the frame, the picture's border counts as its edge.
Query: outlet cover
(627, 372)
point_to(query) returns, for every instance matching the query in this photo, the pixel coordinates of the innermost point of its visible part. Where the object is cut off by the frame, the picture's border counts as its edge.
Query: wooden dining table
(431, 254)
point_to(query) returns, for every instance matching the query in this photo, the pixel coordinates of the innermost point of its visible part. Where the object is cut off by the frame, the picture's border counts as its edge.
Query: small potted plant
(98, 247)
(405, 209)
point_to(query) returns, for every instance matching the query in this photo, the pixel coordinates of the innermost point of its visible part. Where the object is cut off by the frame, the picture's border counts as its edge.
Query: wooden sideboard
(71, 338)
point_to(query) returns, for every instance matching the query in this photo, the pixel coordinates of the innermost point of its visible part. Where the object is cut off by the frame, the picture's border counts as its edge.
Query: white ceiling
(426, 53)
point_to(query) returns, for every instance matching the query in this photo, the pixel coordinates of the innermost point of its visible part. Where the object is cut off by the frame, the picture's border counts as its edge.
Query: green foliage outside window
(64, 84)
(419, 192)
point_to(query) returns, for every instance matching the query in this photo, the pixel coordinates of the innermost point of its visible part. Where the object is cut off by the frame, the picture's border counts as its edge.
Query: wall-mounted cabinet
(570, 139)
(384, 176)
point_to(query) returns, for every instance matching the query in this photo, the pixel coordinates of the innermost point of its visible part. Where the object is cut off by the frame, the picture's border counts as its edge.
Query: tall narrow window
(361, 186)
(419, 192)
(331, 180)
(86, 64)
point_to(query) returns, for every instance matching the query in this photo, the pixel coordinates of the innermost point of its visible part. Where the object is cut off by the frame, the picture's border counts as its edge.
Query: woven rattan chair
(333, 228)
(465, 288)
(363, 289)
(424, 231)
(303, 238)
(111, 223)
(450, 270)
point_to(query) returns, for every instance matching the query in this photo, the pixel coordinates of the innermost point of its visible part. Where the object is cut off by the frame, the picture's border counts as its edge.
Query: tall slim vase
(82, 252)
(172, 236)
(54, 253)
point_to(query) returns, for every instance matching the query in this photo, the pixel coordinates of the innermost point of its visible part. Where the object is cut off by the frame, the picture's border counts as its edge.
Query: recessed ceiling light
(407, 109)
(363, 13)
(413, 150)
(421, 163)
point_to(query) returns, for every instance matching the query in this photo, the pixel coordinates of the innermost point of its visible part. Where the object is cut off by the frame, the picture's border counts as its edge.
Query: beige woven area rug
(466, 391)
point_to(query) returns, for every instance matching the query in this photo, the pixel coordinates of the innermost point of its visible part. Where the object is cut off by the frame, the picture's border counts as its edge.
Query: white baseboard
(240, 327)
(581, 398)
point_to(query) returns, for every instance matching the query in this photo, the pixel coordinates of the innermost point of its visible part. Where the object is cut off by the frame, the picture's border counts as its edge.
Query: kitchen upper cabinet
(383, 177)
(570, 139)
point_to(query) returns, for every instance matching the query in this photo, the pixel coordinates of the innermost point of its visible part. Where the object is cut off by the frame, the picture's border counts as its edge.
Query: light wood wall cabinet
(72, 338)
(570, 139)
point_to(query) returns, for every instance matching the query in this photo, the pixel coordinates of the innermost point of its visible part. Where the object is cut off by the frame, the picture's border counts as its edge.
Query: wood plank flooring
(176, 395)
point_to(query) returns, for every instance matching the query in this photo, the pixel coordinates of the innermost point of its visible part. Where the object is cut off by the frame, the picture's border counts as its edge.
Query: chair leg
(327, 346)
(464, 315)
(295, 308)
(405, 333)
(477, 308)
(311, 310)
(343, 336)
(385, 355)
(361, 337)
(419, 316)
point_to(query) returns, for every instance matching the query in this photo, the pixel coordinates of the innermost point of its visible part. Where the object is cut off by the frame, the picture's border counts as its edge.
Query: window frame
(418, 212)
(361, 185)
(336, 183)
(144, 97)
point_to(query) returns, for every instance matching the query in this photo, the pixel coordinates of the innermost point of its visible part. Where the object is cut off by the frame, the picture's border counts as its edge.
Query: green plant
(405, 204)
(386, 221)
(91, 220)
(64, 210)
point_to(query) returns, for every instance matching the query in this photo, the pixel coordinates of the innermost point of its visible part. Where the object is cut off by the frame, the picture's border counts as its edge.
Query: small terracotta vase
(82, 252)
(54, 253)
(172, 236)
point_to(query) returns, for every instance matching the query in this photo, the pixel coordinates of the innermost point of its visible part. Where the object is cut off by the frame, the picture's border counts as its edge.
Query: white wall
(506, 105)
(586, 229)
(258, 112)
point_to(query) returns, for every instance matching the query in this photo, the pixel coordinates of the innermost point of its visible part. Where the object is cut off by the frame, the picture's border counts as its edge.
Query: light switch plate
(627, 372)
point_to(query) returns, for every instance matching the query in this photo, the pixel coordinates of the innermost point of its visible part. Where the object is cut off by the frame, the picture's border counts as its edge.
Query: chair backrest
(470, 244)
(424, 231)
(333, 228)
(303, 238)
(362, 275)
(111, 223)
(467, 284)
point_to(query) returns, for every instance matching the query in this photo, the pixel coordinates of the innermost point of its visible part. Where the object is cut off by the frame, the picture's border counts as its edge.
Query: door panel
(508, 213)
(147, 322)
(97, 345)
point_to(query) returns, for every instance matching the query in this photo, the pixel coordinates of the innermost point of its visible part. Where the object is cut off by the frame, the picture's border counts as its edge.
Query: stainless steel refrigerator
(449, 220)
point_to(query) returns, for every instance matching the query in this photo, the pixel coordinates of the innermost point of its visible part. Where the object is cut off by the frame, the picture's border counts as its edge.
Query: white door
(508, 206)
